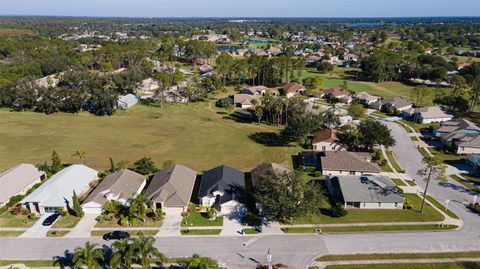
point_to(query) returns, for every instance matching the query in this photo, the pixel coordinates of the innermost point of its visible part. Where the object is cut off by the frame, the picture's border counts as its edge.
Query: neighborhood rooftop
(17, 178)
(347, 161)
(368, 189)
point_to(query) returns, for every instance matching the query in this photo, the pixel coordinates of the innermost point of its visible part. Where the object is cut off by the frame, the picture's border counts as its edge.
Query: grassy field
(201, 232)
(379, 215)
(131, 232)
(447, 265)
(9, 220)
(362, 229)
(67, 221)
(196, 218)
(197, 135)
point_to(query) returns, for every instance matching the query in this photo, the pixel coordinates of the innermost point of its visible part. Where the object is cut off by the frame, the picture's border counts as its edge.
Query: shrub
(406, 204)
(31, 216)
(338, 211)
(317, 174)
(222, 103)
(112, 207)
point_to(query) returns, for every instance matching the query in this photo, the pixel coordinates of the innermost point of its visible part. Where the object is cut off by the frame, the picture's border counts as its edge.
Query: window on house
(352, 173)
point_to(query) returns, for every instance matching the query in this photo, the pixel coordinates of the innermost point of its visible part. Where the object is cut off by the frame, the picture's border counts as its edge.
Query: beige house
(327, 140)
(366, 98)
(339, 163)
(171, 188)
(293, 88)
(18, 180)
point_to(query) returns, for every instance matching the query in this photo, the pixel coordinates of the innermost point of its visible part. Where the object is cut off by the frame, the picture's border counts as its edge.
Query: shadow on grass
(269, 139)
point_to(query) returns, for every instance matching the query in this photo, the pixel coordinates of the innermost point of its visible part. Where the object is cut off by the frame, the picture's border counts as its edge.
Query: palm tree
(81, 154)
(89, 255)
(145, 250)
(138, 206)
(123, 254)
(198, 262)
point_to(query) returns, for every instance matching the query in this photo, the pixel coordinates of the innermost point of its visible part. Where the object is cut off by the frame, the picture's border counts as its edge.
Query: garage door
(173, 210)
(92, 210)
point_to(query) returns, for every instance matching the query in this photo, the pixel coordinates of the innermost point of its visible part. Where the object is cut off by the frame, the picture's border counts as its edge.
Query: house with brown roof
(119, 186)
(366, 98)
(339, 163)
(171, 188)
(395, 103)
(327, 140)
(18, 180)
(339, 93)
(265, 168)
(244, 100)
(293, 88)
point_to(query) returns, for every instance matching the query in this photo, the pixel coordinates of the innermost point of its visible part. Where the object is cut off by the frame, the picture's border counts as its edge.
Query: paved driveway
(171, 224)
(37, 230)
(84, 227)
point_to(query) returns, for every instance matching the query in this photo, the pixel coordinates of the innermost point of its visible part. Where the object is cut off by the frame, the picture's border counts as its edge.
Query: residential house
(428, 114)
(348, 163)
(255, 90)
(462, 143)
(293, 88)
(329, 139)
(171, 189)
(127, 101)
(366, 192)
(366, 98)
(18, 180)
(243, 100)
(338, 93)
(119, 186)
(57, 192)
(223, 188)
(395, 103)
(264, 168)
(457, 126)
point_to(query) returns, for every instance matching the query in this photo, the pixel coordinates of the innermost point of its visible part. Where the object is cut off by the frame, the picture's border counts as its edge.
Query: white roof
(128, 99)
(16, 179)
(60, 187)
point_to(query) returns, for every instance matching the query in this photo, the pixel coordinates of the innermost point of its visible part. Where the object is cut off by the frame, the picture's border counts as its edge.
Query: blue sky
(242, 8)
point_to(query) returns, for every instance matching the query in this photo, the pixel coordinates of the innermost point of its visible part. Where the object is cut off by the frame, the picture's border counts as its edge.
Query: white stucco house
(56, 193)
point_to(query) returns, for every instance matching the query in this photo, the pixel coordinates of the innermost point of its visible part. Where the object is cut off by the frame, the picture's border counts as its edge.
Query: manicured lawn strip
(131, 232)
(135, 223)
(419, 126)
(360, 229)
(392, 256)
(405, 127)
(164, 129)
(385, 167)
(378, 215)
(414, 138)
(442, 207)
(411, 182)
(250, 231)
(465, 183)
(30, 263)
(201, 232)
(394, 162)
(446, 156)
(398, 182)
(10, 233)
(57, 233)
(67, 221)
(424, 152)
(472, 178)
(196, 218)
(446, 265)
(8, 220)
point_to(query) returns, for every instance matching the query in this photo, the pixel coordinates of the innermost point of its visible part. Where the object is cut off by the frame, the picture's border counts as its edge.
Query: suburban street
(296, 251)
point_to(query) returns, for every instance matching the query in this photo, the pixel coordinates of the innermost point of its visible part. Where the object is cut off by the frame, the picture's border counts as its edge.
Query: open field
(197, 135)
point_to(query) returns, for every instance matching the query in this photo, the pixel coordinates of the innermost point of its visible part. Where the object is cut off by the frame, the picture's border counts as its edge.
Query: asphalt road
(296, 251)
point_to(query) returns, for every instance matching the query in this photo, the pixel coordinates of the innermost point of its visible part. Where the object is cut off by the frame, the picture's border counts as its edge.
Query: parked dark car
(50, 220)
(116, 235)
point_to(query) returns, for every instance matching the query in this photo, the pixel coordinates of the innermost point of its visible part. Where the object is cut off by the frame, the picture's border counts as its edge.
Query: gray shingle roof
(122, 184)
(172, 186)
(347, 161)
(223, 178)
(367, 189)
(456, 125)
(16, 179)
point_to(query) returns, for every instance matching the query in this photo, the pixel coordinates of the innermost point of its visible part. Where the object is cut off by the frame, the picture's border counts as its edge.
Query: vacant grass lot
(379, 215)
(197, 135)
(7, 219)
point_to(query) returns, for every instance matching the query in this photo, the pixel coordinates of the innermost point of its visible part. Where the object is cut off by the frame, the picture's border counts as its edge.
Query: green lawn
(398, 182)
(419, 126)
(378, 215)
(160, 133)
(361, 229)
(446, 157)
(411, 182)
(57, 233)
(441, 206)
(447, 265)
(10, 233)
(196, 218)
(408, 130)
(67, 221)
(250, 231)
(394, 162)
(201, 232)
(131, 232)
(465, 183)
(7, 219)
(414, 138)
(135, 223)
(472, 178)
(424, 152)
(392, 256)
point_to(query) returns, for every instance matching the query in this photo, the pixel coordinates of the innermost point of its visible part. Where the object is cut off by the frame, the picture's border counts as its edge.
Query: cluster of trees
(138, 208)
(129, 253)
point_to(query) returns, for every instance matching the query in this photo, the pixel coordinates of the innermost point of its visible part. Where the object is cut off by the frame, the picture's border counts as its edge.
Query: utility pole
(426, 187)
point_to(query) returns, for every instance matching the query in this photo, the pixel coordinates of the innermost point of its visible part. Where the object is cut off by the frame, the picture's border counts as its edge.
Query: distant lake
(366, 24)
(258, 41)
